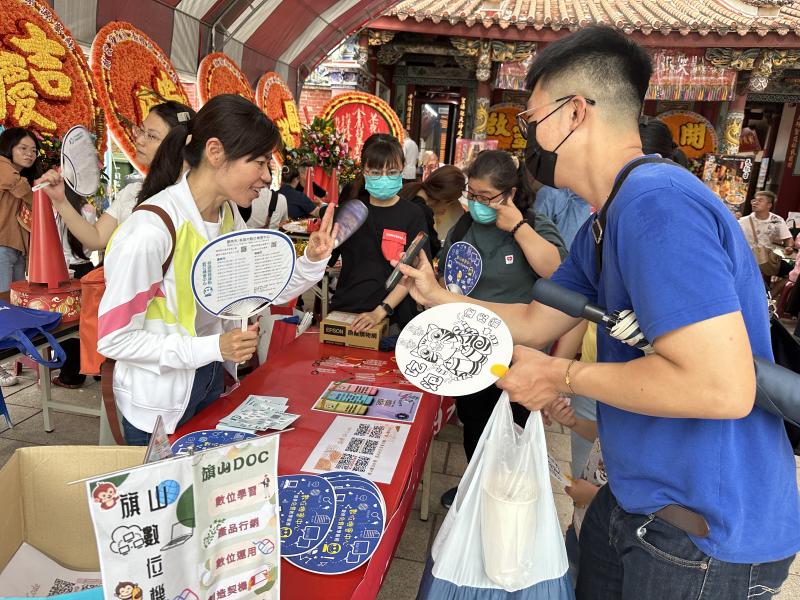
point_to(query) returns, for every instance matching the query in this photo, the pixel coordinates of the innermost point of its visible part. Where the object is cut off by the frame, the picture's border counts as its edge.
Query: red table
(288, 373)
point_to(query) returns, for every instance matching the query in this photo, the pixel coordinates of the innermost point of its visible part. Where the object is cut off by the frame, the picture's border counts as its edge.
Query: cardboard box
(38, 507)
(336, 328)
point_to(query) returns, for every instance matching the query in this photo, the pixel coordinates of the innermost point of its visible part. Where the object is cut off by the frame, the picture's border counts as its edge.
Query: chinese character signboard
(133, 74)
(45, 83)
(681, 76)
(467, 150)
(218, 74)
(729, 178)
(201, 527)
(358, 115)
(693, 133)
(502, 126)
(275, 99)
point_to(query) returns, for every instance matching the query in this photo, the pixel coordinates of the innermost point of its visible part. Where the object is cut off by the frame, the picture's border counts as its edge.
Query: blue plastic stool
(4, 409)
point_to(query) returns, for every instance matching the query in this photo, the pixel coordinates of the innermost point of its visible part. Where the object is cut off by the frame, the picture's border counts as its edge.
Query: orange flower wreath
(275, 99)
(218, 74)
(48, 85)
(132, 74)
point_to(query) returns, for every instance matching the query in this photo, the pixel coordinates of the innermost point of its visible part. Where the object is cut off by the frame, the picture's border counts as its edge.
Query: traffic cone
(46, 264)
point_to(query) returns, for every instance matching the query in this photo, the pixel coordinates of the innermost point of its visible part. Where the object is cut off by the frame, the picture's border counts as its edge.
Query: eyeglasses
(482, 199)
(523, 122)
(139, 132)
(380, 172)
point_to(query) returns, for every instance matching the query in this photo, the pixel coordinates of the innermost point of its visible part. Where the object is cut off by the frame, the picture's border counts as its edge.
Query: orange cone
(46, 264)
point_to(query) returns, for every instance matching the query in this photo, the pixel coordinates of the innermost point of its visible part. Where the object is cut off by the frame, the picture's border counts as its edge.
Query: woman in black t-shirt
(390, 227)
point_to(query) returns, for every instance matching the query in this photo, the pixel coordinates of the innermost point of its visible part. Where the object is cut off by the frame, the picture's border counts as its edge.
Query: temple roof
(741, 17)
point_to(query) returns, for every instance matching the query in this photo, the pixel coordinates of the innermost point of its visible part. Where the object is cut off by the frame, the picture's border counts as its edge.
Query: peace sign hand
(321, 243)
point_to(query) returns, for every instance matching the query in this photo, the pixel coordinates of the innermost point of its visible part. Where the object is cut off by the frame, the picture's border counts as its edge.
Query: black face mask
(541, 163)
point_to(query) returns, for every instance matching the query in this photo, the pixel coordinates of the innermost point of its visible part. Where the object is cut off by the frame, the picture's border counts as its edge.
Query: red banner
(358, 115)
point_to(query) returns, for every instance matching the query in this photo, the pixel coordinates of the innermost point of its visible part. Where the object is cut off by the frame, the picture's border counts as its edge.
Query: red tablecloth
(288, 373)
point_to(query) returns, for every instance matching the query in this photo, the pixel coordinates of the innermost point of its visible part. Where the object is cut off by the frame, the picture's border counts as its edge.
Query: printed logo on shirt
(509, 259)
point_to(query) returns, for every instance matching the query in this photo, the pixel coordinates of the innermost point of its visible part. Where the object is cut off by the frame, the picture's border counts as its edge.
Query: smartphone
(409, 257)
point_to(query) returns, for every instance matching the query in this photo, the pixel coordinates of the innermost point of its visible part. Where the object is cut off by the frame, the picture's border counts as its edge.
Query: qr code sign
(361, 464)
(61, 587)
(377, 431)
(362, 430)
(354, 445)
(369, 447)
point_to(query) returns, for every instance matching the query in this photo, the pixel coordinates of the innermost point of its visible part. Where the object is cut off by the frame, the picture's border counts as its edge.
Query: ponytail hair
(443, 186)
(173, 113)
(241, 127)
(504, 172)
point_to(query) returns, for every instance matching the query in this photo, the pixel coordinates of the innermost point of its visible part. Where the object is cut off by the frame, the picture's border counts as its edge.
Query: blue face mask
(383, 187)
(482, 213)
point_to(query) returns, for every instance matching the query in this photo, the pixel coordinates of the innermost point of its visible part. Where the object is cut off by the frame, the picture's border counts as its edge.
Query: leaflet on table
(369, 401)
(369, 448)
(30, 573)
(258, 413)
(204, 526)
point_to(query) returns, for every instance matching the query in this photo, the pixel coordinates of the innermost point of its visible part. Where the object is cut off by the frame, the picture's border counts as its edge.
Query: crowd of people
(693, 493)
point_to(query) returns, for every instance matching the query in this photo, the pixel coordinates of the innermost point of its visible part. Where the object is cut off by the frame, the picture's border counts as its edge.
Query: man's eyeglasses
(482, 199)
(379, 172)
(523, 122)
(141, 132)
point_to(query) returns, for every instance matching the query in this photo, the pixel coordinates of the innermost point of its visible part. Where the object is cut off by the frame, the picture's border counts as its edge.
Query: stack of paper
(258, 413)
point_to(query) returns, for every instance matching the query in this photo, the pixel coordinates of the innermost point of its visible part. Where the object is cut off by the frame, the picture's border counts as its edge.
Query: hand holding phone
(408, 258)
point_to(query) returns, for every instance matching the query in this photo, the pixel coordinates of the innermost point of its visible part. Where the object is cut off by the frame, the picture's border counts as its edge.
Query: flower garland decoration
(47, 85)
(132, 75)
(321, 146)
(275, 99)
(358, 115)
(218, 74)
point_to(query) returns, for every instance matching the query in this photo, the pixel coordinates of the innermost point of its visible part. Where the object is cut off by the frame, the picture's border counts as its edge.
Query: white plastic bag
(502, 532)
(508, 501)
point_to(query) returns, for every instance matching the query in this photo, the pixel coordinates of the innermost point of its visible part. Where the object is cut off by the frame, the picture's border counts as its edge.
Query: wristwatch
(389, 310)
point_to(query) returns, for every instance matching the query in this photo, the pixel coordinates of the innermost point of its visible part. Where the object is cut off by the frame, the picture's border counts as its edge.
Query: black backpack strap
(164, 216)
(460, 228)
(599, 222)
(273, 205)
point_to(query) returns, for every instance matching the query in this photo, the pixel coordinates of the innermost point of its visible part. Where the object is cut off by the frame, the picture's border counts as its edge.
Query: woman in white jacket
(169, 352)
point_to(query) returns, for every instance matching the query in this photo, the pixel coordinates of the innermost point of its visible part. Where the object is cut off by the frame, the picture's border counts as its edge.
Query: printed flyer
(368, 448)
(198, 527)
(366, 400)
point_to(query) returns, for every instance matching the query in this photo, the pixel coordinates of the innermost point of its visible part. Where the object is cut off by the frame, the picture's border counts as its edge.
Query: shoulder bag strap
(107, 392)
(599, 223)
(273, 205)
(162, 214)
(753, 227)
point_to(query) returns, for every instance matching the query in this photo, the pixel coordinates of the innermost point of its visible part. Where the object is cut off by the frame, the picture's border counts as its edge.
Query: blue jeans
(626, 556)
(209, 383)
(585, 408)
(12, 267)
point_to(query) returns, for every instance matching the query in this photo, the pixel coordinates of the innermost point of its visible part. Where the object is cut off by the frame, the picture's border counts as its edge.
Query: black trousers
(71, 370)
(474, 411)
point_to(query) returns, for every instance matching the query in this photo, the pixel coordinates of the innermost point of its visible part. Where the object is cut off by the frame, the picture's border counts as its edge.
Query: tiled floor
(406, 569)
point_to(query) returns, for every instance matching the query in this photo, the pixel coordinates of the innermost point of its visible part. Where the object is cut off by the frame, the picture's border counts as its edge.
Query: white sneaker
(7, 378)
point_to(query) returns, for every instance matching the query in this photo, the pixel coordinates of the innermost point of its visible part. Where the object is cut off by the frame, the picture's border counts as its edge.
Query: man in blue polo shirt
(702, 500)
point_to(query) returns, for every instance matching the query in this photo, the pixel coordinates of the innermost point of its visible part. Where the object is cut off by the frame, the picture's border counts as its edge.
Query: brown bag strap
(753, 227)
(107, 392)
(164, 216)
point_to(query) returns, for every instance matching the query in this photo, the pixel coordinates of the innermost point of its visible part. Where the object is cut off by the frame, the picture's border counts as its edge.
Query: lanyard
(599, 222)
